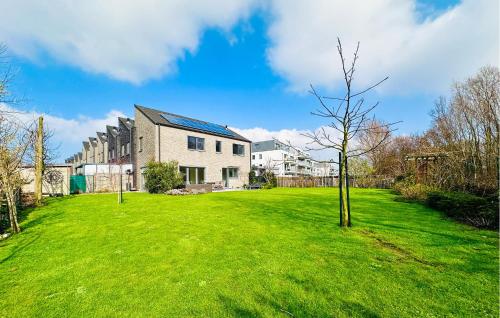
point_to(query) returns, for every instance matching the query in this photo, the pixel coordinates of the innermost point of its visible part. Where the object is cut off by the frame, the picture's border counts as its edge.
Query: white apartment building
(285, 160)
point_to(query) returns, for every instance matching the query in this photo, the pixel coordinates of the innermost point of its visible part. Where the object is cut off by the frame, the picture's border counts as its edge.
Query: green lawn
(258, 253)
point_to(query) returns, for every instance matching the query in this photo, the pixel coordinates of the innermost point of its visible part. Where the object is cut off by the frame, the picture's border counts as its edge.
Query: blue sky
(239, 72)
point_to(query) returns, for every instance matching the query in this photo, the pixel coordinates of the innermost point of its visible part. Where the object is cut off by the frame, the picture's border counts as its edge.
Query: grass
(258, 253)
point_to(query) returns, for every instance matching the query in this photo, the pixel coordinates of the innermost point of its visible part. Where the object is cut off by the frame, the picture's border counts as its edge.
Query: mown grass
(258, 253)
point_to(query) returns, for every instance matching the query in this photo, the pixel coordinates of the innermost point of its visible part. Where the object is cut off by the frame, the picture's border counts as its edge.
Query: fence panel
(306, 182)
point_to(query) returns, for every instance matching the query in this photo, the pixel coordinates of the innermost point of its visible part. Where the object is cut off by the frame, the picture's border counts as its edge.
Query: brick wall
(146, 130)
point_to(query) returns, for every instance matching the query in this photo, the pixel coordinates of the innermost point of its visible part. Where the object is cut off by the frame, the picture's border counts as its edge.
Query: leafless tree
(348, 116)
(53, 180)
(15, 140)
(268, 170)
(466, 131)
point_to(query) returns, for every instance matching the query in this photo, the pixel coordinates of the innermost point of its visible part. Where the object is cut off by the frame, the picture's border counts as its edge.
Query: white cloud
(126, 39)
(68, 134)
(139, 40)
(417, 55)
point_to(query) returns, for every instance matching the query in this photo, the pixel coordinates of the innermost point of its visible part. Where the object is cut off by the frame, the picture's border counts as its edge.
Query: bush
(412, 192)
(252, 178)
(162, 176)
(267, 186)
(478, 211)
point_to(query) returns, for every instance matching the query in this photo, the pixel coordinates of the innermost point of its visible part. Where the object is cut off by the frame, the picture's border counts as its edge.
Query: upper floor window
(196, 143)
(260, 156)
(253, 157)
(218, 146)
(238, 149)
(140, 143)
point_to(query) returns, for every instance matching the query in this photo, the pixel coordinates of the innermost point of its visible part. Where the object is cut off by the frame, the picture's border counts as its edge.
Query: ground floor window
(193, 175)
(232, 172)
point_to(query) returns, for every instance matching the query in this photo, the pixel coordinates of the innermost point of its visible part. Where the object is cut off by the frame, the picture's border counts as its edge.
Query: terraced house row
(205, 152)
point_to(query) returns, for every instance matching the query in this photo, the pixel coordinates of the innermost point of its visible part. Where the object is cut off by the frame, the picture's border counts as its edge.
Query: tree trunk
(343, 190)
(11, 202)
(39, 162)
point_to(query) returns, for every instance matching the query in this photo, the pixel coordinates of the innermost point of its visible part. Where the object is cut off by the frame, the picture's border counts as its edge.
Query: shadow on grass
(26, 212)
(19, 247)
(237, 310)
(355, 309)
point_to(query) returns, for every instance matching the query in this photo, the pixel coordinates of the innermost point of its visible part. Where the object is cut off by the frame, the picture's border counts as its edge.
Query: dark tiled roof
(156, 116)
(102, 136)
(112, 130)
(86, 144)
(127, 122)
(93, 141)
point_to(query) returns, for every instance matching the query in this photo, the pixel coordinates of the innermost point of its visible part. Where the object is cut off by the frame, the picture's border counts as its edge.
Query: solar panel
(203, 126)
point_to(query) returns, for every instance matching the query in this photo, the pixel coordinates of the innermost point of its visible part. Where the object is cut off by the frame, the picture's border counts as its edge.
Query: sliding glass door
(193, 175)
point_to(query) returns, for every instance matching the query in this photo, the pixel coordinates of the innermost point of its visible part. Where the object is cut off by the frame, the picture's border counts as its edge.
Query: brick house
(102, 147)
(85, 152)
(112, 133)
(93, 150)
(205, 152)
(125, 138)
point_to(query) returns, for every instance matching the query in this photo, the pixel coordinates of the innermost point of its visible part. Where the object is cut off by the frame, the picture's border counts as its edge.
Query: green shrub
(162, 176)
(252, 178)
(412, 192)
(267, 185)
(468, 208)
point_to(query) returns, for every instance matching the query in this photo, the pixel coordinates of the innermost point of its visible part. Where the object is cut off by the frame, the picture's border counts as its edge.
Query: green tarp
(78, 184)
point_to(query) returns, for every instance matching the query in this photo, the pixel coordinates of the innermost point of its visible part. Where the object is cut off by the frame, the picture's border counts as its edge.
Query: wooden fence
(306, 182)
(380, 182)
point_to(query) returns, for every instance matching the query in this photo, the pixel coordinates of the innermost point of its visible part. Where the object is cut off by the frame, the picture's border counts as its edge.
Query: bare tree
(466, 131)
(15, 140)
(348, 117)
(267, 171)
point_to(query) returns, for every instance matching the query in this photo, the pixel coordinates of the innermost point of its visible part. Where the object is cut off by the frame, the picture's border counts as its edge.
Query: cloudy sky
(244, 63)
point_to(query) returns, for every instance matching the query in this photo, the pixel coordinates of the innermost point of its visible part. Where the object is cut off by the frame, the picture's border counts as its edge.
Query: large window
(232, 172)
(193, 175)
(218, 146)
(196, 143)
(238, 149)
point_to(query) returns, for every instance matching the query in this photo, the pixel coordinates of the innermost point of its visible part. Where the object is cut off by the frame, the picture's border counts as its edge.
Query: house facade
(125, 145)
(93, 150)
(102, 147)
(86, 152)
(205, 152)
(112, 132)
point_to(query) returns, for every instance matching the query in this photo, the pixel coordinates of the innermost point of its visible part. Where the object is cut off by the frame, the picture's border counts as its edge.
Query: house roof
(127, 122)
(102, 136)
(159, 117)
(86, 144)
(93, 141)
(112, 130)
